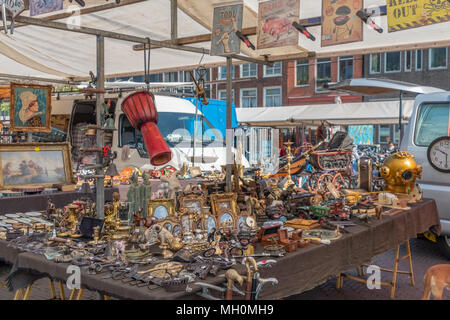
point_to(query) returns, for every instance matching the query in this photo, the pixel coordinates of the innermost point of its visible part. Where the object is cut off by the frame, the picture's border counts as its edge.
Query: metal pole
(124, 37)
(100, 99)
(195, 133)
(229, 137)
(400, 120)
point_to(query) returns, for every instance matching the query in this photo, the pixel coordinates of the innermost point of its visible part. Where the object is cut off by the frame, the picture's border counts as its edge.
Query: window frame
(379, 133)
(240, 97)
(241, 72)
(265, 75)
(421, 60)
(264, 95)
(345, 58)
(446, 59)
(315, 74)
(219, 73)
(385, 62)
(370, 63)
(296, 73)
(419, 107)
(225, 90)
(411, 61)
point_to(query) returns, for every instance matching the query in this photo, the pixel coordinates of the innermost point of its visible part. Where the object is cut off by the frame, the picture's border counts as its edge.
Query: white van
(176, 118)
(430, 120)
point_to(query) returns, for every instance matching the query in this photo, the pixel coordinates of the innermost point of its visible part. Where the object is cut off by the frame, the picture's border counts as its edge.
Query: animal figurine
(165, 237)
(436, 279)
(174, 184)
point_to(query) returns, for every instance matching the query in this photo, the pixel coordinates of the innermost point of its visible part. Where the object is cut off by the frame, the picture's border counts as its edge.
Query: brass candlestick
(289, 157)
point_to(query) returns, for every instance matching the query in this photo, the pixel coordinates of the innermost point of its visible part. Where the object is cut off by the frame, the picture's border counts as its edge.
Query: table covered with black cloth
(296, 272)
(38, 202)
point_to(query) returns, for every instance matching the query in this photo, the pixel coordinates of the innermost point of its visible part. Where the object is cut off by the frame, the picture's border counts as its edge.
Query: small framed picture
(30, 107)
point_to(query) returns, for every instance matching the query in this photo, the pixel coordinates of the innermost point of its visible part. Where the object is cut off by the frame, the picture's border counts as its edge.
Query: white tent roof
(37, 51)
(379, 112)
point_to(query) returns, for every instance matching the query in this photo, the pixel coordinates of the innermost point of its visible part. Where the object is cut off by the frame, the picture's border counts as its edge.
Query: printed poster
(403, 15)
(340, 24)
(275, 19)
(227, 20)
(38, 7)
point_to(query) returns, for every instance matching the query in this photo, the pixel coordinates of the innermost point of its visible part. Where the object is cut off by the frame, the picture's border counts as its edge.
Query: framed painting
(161, 208)
(224, 209)
(35, 164)
(30, 107)
(193, 202)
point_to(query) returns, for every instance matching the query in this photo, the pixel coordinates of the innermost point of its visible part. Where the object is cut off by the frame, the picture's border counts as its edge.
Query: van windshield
(177, 128)
(432, 122)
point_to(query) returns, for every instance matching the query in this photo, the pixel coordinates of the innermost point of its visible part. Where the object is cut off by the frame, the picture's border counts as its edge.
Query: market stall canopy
(38, 51)
(379, 112)
(371, 87)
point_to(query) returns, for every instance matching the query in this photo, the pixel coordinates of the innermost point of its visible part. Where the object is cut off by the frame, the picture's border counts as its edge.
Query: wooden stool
(394, 271)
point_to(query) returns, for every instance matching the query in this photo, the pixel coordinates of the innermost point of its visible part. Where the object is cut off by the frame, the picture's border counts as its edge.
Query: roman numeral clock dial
(439, 154)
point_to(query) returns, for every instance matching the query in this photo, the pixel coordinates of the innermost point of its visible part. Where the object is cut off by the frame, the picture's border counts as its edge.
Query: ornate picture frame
(224, 209)
(35, 164)
(161, 208)
(30, 107)
(192, 200)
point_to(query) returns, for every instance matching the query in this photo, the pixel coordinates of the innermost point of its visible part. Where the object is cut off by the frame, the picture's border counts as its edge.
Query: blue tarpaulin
(216, 113)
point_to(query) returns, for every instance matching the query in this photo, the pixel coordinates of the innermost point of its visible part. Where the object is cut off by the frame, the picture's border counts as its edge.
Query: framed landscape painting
(35, 164)
(30, 107)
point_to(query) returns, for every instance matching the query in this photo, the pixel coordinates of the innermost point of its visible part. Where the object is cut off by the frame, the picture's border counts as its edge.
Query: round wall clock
(438, 154)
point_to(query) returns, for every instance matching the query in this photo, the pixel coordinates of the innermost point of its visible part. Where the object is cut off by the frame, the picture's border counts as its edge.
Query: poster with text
(275, 19)
(227, 20)
(403, 15)
(340, 24)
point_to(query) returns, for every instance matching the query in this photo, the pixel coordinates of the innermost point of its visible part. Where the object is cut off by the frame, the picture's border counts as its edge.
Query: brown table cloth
(296, 272)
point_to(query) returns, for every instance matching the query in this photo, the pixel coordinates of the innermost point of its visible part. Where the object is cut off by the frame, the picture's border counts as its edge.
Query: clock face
(439, 154)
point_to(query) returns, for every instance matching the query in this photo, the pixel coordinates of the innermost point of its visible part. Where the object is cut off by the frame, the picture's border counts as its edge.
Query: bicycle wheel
(341, 181)
(323, 181)
(235, 251)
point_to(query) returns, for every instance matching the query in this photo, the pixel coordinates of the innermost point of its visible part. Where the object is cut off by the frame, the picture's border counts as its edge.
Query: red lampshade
(139, 107)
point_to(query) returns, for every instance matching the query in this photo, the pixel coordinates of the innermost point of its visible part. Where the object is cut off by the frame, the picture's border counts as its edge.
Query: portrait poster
(403, 15)
(275, 18)
(31, 164)
(38, 7)
(30, 108)
(340, 24)
(227, 20)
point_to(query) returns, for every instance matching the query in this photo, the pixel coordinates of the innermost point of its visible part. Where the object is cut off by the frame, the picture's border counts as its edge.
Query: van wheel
(444, 245)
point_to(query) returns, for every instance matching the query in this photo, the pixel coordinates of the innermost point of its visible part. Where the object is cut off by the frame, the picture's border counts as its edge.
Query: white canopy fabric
(379, 112)
(37, 51)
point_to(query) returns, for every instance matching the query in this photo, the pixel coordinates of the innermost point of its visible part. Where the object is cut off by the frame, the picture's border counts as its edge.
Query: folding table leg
(18, 294)
(52, 289)
(72, 294)
(411, 274)
(27, 292)
(61, 290)
(394, 272)
(80, 294)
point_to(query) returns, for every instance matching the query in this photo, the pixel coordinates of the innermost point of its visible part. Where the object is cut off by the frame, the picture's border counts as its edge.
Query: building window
(437, 58)
(345, 68)
(419, 60)
(392, 61)
(170, 76)
(157, 77)
(375, 63)
(222, 95)
(408, 60)
(249, 98)
(223, 72)
(323, 72)
(249, 70)
(384, 133)
(273, 71)
(302, 73)
(397, 133)
(272, 97)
